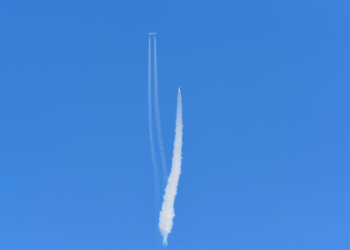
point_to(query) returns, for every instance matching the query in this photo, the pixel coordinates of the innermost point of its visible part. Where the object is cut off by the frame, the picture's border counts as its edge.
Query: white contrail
(167, 214)
(157, 111)
(155, 170)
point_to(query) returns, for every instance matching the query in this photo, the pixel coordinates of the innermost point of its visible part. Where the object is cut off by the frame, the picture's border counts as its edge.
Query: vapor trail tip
(179, 89)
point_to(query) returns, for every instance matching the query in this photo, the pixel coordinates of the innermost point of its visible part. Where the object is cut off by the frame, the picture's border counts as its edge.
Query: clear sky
(265, 88)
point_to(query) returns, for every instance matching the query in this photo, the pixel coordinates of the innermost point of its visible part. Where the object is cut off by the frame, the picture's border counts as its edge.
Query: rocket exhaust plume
(150, 125)
(167, 213)
(157, 112)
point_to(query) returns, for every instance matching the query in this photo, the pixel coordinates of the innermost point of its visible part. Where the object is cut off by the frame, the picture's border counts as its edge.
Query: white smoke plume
(150, 124)
(157, 112)
(167, 213)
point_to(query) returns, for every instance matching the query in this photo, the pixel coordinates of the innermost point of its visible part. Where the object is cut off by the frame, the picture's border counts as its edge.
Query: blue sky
(265, 88)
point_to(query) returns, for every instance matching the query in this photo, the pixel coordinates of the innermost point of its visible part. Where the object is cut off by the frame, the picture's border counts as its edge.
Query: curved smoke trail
(157, 111)
(167, 213)
(150, 125)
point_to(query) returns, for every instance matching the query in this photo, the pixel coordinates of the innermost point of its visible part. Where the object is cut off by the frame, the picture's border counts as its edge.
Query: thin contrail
(157, 111)
(167, 214)
(150, 125)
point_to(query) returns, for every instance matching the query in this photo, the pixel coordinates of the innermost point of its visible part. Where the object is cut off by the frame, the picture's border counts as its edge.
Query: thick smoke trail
(150, 125)
(167, 214)
(157, 111)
